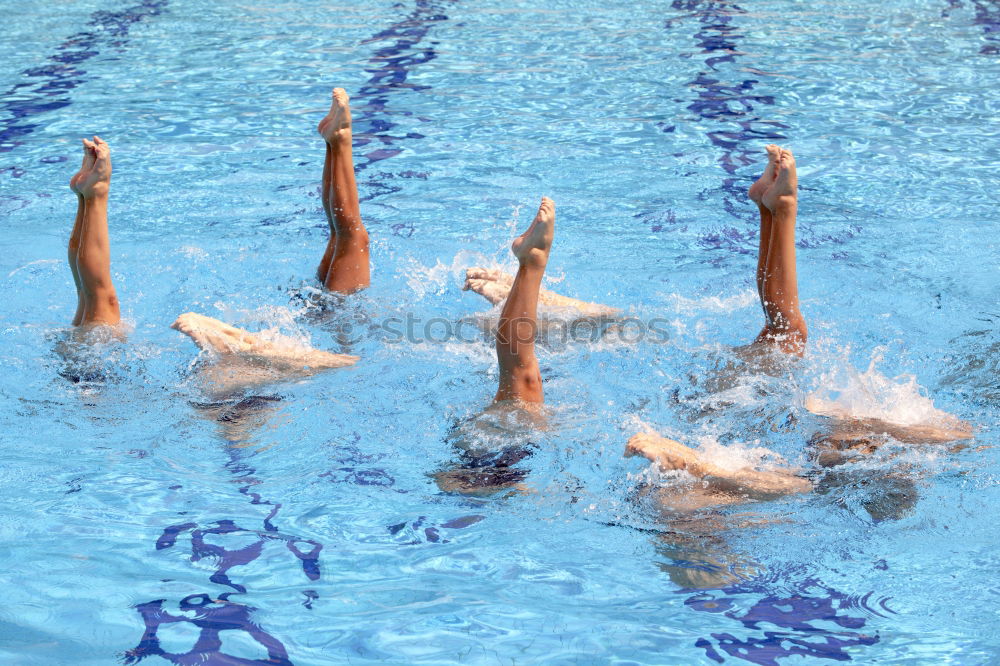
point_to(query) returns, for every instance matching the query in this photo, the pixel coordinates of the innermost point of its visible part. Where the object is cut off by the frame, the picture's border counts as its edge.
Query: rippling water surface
(303, 524)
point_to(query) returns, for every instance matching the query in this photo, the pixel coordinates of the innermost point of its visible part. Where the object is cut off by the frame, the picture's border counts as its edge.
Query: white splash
(720, 304)
(738, 455)
(440, 277)
(849, 394)
(37, 263)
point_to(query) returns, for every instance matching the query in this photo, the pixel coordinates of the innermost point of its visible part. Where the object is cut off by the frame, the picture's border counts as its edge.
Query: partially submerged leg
(786, 326)
(345, 264)
(93, 257)
(494, 285)
(744, 483)
(228, 341)
(520, 378)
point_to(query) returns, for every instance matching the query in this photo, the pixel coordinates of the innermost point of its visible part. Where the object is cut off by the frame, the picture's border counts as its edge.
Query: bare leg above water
(345, 266)
(494, 285)
(89, 251)
(74, 237)
(519, 394)
(743, 483)
(776, 196)
(520, 378)
(230, 342)
(756, 193)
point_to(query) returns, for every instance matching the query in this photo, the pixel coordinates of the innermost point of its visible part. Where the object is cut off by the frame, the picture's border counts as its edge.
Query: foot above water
(336, 124)
(533, 246)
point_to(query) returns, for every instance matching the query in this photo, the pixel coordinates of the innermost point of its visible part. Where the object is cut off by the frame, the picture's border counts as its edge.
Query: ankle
(785, 203)
(534, 258)
(97, 193)
(341, 139)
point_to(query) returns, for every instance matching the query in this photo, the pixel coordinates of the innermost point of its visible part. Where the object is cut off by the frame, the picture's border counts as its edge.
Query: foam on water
(846, 392)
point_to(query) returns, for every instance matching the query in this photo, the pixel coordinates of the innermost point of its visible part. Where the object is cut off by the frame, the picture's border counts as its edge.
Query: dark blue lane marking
(415, 533)
(794, 613)
(389, 68)
(50, 84)
(214, 614)
(211, 616)
(988, 16)
(741, 133)
(733, 107)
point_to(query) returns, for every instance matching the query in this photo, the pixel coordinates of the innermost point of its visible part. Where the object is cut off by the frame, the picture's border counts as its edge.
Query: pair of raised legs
(89, 253)
(343, 268)
(775, 194)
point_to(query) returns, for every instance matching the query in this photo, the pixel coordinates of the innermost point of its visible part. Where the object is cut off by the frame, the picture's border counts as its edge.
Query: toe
(547, 209)
(490, 275)
(634, 446)
(182, 322)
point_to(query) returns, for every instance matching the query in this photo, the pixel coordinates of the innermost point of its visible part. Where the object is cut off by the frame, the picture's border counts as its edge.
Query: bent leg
(746, 482)
(224, 340)
(93, 258)
(520, 378)
(345, 265)
(494, 285)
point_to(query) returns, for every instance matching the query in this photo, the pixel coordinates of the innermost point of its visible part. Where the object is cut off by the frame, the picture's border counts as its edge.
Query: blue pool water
(303, 525)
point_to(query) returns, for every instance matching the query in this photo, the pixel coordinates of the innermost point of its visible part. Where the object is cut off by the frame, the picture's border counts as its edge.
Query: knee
(104, 297)
(798, 331)
(527, 384)
(793, 339)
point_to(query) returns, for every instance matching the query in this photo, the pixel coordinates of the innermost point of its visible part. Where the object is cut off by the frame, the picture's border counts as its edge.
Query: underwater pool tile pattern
(145, 522)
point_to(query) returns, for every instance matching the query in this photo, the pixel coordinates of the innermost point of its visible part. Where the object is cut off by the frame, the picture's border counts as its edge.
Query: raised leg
(92, 267)
(345, 264)
(520, 378)
(757, 191)
(327, 193)
(778, 282)
(74, 237)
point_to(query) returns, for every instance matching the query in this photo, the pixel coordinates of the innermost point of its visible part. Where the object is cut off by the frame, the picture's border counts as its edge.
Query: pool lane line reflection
(239, 419)
(49, 85)
(732, 107)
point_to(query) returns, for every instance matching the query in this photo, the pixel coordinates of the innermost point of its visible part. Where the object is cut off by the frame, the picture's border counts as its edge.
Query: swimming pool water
(304, 522)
